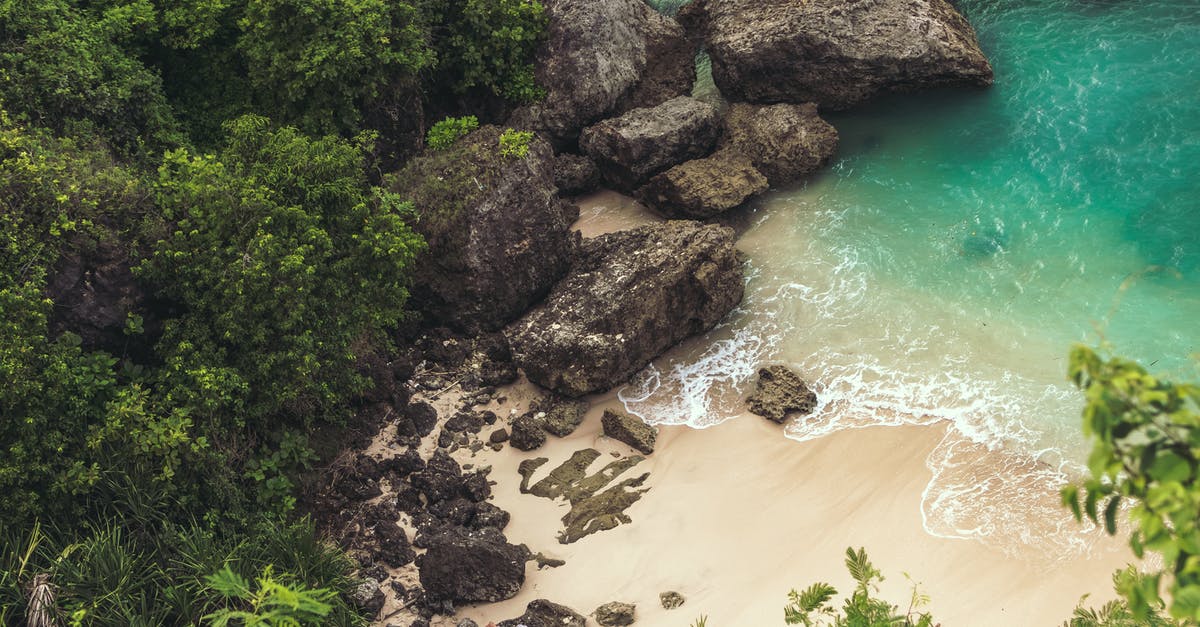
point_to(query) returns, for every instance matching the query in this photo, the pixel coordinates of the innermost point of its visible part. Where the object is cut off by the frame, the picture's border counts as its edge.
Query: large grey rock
(780, 392)
(702, 188)
(628, 297)
(575, 174)
(470, 566)
(633, 147)
(543, 613)
(601, 58)
(631, 430)
(499, 236)
(838, 53)
(784, 141)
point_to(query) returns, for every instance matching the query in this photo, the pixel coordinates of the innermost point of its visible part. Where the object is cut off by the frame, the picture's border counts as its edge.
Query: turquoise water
(939, 271)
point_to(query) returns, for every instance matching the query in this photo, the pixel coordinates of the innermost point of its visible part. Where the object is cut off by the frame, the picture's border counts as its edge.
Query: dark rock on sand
(603, 57)
(780, 392)
(837, 53)
(527, 433)
(561, 415)
(670, 599)
(368, 597)
(635, 146)
(442, 478)
(471, 566)
(543, 613)
(629, 296)
(630, 430)
(615, 614)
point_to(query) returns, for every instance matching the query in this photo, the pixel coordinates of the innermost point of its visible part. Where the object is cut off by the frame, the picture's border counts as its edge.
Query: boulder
(629, 296)
(441, 479)
(471, 566)
(527, 433)
(635, 146)
(703, 188)
(575, 174)
(543, 613)
(615, 614)
(784, 141)
(499, 236)
(94, 293)
(837, 53)
(601, 58)
(416, 419)
(630, 430)
(780, 392)
(368, 597)
(562, 415)
(498, 436)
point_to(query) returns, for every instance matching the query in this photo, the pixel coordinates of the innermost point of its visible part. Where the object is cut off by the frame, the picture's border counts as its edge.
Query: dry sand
(737, 515)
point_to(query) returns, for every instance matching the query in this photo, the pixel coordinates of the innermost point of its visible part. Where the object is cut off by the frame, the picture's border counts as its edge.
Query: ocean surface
(961, 242)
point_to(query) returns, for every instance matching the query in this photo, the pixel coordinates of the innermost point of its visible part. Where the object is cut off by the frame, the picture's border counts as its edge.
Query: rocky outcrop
(629, 429)
(543, 613)
(601, 58)
(837, 53)
(471, 566)
(703, 188)
(575, 174)
(780, 392)
(633, 147)
(784, 141)
(615, 614)
(499, 236)
(628, 297)
(94, 293)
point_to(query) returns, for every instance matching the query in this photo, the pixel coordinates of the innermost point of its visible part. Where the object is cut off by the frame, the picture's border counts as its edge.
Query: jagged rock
(499, 236)
(603, 57)
(488, 515)
(417, 419)
(670, 599)
(631, 148)
(465, 421)
(575, 174)
(471, 566)
(779, 392)
(404, 464)
(702, 188)
(498, 436)
(629, 296)
(615, 614)
(442, 478)
(784, 141)
(527, 433)
(630, 430)
(408, 498)
(476, 486)
(562, 415)
(543, 613)
(457, 511)
(368, 597)
(838, 53)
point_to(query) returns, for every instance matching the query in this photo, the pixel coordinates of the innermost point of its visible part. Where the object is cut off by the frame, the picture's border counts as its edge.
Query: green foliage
(515, 143)
(71, 68)
(812, 606)
(490, 44)
(284, 259)
(271, 604)
(1145, 436)
(449, 130)
(1116, 613)
(701, 621)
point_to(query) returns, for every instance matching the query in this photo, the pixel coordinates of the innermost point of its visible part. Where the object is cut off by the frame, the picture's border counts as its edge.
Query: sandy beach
(737, 515)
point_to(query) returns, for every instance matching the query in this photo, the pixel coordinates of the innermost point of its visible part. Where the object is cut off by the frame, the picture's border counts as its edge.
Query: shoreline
(738, 514)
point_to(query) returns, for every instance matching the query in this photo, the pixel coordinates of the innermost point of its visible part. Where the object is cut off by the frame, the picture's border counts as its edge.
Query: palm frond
(860, 567)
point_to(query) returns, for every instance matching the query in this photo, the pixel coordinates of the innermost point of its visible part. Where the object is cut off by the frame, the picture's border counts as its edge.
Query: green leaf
(1110, 514)
(1168, 466)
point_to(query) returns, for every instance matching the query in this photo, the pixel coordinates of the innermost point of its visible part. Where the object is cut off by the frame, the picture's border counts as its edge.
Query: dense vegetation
(212, 163)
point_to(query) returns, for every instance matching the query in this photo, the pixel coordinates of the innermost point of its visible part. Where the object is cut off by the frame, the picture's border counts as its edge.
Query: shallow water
(962, 241)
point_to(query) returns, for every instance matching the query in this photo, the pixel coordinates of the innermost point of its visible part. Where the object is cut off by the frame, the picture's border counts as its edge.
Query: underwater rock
(985, 242)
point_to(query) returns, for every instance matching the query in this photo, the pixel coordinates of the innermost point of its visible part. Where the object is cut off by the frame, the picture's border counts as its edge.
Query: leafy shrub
(490, 44)
(811, 607)
(271, 603)
(515, 143)
(449, 130)
(1144, 433)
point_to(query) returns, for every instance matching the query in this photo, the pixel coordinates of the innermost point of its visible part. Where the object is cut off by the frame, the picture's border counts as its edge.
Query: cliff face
(837, 53)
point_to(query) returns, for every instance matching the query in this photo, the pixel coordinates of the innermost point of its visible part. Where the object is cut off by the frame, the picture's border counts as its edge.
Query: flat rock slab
(703, 188)
(630, 430)
(837, 53)
(635, 146)
(780, 392)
